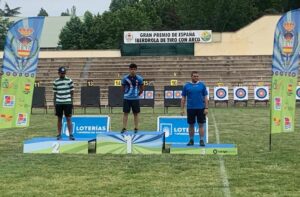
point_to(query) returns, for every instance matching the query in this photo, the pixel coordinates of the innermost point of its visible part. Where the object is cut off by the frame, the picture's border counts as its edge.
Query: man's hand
(206, 111)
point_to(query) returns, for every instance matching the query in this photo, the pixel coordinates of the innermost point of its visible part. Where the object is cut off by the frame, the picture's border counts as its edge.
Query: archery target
(298, 93)
(168, 94)
(177, 94)
(240, 93)
(261, 93)
(221, 93)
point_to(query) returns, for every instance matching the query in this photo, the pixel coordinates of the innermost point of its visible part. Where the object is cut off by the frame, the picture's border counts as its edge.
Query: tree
(119, 4)
(43, 12)
(88, 33)
(69, 13)
(71, 34)
(9, 12)
(66, 13)
(4, 26)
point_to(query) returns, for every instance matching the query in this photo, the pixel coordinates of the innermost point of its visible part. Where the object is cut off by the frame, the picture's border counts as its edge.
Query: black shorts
(192, 114)
(61, 109)
(131, 104)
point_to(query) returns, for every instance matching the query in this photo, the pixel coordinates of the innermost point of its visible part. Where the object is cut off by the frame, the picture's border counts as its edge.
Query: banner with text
(18, 71)
(87, 126)
(190, 36)
(285, 65)
(176, 129)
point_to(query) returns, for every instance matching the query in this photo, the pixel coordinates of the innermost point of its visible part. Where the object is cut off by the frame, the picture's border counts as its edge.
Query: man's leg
(191, 131)
(59, 125)
(69, 124)
(191, 122)
(125, 120)
(136, 121)
(201, 134)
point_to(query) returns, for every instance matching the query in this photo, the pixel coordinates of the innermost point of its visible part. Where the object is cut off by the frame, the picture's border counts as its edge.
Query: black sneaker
(71, 137)
(123, 130)
(202, 143)
(135, 130)
(191, 143)
(58, 137)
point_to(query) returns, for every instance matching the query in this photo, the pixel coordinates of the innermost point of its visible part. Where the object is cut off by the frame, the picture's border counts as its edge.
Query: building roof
(52, 28)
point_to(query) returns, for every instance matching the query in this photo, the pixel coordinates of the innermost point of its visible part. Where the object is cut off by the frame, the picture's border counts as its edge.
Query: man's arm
(141, 89)
(206, 105)
(182, 104)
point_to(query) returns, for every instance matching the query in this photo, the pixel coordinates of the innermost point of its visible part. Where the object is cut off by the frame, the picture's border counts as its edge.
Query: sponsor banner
(183, 36)
(261, 93)
(176, 129)
(240, 93)
(130, 143)
(221, 93)
(87, 126)
(20, 59)
(285, 64)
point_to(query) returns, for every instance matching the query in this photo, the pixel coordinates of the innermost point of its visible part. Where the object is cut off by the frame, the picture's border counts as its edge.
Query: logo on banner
(277, 103)
(6, 117)
(168, 94)
(276, 121)
(287, 123)
(128, 37)
(24, 43)
(27, 88)
(9, 101)
(290, 89)
(166, 128)
(240, 93)
(221, 93)
(22, 119)
(177, 94)
(205, 36)
(261, 93)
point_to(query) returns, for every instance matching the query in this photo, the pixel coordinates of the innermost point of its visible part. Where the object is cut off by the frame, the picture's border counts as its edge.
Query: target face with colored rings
(298, 93)
(221, 93)
(240, 93)
(261, 93)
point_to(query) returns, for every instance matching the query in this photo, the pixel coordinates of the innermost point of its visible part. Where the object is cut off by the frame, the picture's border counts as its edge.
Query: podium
(208, 149)
(130, 143)
(52, 145)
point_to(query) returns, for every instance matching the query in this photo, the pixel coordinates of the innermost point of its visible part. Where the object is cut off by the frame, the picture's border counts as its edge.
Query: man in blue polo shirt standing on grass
(132, 87)
(195, 94)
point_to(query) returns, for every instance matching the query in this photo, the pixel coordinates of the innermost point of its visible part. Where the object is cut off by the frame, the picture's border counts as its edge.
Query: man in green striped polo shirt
(63, 89)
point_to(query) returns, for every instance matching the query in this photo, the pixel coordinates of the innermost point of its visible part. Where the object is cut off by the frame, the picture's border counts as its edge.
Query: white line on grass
(226, 188)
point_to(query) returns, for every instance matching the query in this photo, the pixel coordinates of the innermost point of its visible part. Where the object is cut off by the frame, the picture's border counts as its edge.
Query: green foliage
(4, 26)
(71, 34)
(106, 31)
(9, 12)
(43, 12)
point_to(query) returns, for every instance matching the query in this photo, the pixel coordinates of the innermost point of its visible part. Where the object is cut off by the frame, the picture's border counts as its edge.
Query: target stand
(226, 102)
(258, 101)
(245, 103)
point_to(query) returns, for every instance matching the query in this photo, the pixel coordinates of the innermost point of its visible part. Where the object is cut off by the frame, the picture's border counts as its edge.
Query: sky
(56, 7)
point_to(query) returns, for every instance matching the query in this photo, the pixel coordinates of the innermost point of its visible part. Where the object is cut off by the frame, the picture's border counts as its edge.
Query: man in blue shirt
(195, 94)
(133, 87)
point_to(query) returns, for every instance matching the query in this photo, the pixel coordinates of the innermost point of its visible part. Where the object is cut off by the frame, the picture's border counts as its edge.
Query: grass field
(255, 171)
